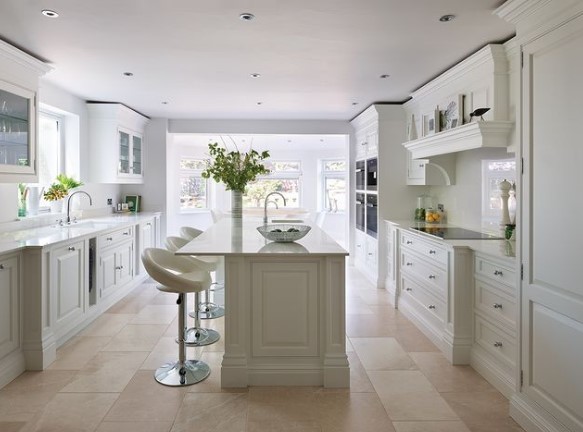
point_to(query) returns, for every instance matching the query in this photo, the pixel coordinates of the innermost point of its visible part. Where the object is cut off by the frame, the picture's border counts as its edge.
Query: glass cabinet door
(124, 152)
(136, 155)
(16, 124)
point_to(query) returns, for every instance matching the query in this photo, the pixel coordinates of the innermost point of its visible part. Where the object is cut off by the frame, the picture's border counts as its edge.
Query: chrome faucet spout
(267, 201)
(69, 203)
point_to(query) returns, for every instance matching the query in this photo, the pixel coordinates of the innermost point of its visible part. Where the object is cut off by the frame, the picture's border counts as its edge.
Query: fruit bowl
(283, 233)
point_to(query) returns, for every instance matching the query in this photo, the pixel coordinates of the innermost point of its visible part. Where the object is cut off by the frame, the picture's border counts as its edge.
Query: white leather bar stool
(189, 233)
(176, 275)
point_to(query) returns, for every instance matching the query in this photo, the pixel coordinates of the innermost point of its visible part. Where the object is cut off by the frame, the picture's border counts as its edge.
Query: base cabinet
(146, 238)
(116, 260)
(11, 357)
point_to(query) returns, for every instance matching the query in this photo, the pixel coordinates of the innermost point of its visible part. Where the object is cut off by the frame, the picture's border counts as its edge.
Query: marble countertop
(227, 237)
(503, 249)
(43, 236)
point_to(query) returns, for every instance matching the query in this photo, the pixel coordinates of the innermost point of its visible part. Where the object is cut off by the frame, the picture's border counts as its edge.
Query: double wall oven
(366, 196)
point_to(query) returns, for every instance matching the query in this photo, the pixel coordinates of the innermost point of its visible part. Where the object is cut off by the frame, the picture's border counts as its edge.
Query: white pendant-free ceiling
(318, 59)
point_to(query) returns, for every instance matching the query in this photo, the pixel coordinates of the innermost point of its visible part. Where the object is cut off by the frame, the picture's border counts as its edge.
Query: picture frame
(430, 122)
(452, 114)
(133, 202)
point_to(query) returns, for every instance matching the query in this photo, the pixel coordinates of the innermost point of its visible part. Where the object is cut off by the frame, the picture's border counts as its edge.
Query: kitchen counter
(284, 306)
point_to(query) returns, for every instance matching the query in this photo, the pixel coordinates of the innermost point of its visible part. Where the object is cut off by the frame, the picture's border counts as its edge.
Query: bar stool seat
(176, 275)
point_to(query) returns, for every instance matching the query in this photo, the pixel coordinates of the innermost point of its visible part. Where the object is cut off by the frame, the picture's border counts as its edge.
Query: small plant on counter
(61, 188)
(235, 169)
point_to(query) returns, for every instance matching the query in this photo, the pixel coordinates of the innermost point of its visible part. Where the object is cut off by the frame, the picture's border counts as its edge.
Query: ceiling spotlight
(128, 74)
(446, 18)
(259, 103)
(255, 75)
(384, 76)
(354, 103)
(50, 13)
(245, 16)
(164, 103)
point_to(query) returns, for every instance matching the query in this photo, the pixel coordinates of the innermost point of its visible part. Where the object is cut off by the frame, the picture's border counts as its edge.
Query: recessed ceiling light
(246, 16)
(354, 103)
(128, 74)
(259, 103)
(164, 103)
(50, 13)
(384, 76)
(446, 18)
(255, 75)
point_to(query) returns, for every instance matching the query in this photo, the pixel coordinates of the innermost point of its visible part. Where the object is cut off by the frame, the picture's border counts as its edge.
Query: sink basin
(87, 225)
(283, 233)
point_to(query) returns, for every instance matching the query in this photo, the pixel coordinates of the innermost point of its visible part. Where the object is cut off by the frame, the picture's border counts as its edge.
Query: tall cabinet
(379, 190)
(550, 35)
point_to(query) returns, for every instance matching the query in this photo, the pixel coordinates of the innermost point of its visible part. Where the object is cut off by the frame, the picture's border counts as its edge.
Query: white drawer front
(495, 303)
(495, 271)
(434, 278)
(495, 341)
(114, 237)
(424, 302)
(435, 253)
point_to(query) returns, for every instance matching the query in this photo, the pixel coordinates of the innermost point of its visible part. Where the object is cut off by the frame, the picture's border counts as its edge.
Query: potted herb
(235, 169)
(59, 190)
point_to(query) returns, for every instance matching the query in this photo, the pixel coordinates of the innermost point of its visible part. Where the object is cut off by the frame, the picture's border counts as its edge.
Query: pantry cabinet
(116, 135)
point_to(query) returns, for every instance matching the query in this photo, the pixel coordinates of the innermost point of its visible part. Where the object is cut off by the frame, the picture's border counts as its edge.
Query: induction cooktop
(454, 233)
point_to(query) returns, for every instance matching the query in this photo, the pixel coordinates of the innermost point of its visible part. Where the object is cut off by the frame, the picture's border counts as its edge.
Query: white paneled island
(285, 308)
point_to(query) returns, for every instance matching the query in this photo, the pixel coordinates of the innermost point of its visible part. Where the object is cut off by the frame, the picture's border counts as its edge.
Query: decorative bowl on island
(283, 233)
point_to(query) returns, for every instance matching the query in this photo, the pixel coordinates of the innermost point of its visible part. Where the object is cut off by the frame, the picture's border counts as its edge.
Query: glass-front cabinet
(17, 130)
(130, 153)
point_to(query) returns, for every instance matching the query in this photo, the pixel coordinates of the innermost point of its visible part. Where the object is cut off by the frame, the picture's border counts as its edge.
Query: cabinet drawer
(495, 303)
(494, 270)
(432, 308)
(495, 341)
(434, 253)
(114, 237)
(434, 278)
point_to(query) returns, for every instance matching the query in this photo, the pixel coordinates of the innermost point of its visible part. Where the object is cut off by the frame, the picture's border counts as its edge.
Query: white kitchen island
(285, 308)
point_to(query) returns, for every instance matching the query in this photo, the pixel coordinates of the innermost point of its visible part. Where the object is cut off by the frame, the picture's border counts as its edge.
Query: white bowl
(283, 233)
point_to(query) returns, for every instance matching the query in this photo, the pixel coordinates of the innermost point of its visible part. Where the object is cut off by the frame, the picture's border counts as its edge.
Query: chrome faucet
(267, 202)
(69, 203)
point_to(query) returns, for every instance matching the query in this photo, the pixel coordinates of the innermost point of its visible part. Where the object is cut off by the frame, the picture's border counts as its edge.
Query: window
(284, 178)
(334, 185)
(50, 162)
(193, 188)
(494, 172)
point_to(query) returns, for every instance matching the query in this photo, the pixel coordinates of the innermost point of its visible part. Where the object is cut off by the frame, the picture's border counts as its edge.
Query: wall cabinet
(116, 260)
(117, 148)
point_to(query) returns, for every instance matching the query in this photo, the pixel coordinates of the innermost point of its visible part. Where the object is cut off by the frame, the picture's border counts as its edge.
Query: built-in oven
(360, 211)
(360, 175)
(371, 215)
(371, 174)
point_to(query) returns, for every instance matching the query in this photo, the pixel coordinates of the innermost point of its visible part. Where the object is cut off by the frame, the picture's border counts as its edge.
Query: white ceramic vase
(236, 204)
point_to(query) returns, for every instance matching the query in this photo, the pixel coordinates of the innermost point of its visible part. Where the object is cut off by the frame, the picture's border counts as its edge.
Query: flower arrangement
(235, 169)
(60, 188)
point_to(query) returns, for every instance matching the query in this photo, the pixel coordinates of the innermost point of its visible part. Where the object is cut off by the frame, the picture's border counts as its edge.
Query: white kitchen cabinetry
(494, 351)
(11, 357)
(116, 143)
(116, 260)
(68, 271)
(146, 238)
(391, 284)
(19, 75)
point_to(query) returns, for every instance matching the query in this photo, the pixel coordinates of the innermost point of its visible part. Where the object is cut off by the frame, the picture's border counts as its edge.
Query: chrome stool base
(200, 336)
(182, 374)
(209, 311)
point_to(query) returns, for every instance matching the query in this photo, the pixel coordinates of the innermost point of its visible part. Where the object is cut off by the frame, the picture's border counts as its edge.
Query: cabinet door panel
(124, 152)
(123, 260)
(107, 272)
(9, 306)
(68, 282)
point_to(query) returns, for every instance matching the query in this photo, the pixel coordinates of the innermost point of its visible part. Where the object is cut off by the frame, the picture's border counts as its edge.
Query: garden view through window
(283, 178)
(193, 188)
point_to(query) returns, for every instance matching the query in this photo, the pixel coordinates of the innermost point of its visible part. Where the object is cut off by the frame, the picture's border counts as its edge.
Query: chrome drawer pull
(71, 248)
(119, 268)
(498, 344)
(431, 307)
(149, 224)
(370, 253)
(431, 276)
(109, 239)
(408, 289)
(432, 252)
(409, 242)
(409, 264)
(126, 233)
(498, 273)
(497, 306)
(358, 245)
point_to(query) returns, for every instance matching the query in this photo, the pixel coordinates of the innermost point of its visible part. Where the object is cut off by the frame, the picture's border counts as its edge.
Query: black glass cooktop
(453, 233)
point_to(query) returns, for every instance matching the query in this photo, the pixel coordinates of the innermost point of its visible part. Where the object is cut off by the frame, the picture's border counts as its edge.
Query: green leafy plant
(61, 188)
(234, 168)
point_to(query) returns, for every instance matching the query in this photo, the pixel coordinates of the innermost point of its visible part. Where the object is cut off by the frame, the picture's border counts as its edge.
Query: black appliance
(371, 174)
(360, 175)
(454, 233)
(360, 206)
(371, 215)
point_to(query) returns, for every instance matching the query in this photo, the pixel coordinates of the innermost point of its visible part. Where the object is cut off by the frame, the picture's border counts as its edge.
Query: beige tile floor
(103, 381)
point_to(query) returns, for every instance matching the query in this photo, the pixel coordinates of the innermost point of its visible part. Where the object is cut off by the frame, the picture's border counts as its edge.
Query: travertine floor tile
(135, 426)
(381, 354)
(413, 340)
(11, 426)
(431, 426)
(155, 314)
(141, 337)
(286, 404)
(75, 354)
(283, 426)
(359, 381)
(370, 326)
(108, 324)
(166, 350)
(217, 412)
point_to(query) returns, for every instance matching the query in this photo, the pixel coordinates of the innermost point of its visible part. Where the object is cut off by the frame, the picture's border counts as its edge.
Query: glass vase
(236, 204)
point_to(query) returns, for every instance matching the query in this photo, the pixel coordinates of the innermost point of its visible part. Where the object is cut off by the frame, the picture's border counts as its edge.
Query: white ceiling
(259, 142)
(316, 57)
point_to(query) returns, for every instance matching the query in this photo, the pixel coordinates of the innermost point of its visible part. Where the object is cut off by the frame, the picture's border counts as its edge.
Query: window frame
(43, 113)
(330, 174)
(488, 215)
(187, 173)
(285, 175)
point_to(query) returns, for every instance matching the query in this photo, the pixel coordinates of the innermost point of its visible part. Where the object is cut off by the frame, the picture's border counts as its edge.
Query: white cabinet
(494, 351)
(416, 170)
(391, 271)
(68, 285)
(367, 143)
(146, 238)
(116, 143)
(366, 253)
(10, 319)
(116, 260)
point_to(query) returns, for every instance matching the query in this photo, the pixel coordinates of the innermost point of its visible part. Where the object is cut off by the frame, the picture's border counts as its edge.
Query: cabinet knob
(149, 224)
(431, 307)
(421, 165)
(71, 248)
(431, 276)
(408, 289)
(409, 242)
(358, 245)
(370, 253)
(126, 233)
(409, 264)
(109, 239)
(497, 306)
(119, 268)
(498, 273)
(432, 252)
(498, 344)
(1, 266)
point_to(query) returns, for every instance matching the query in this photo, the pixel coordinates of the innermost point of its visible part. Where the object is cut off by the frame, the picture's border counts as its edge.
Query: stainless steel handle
(497, 306)
(431, 276)
(409, 242)
(126, 233)
(498, 344)
(71, 248)
(431, 307)
(432, 252)
(408, 289)
(498, 273)
(409, 264)
(109, 239)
